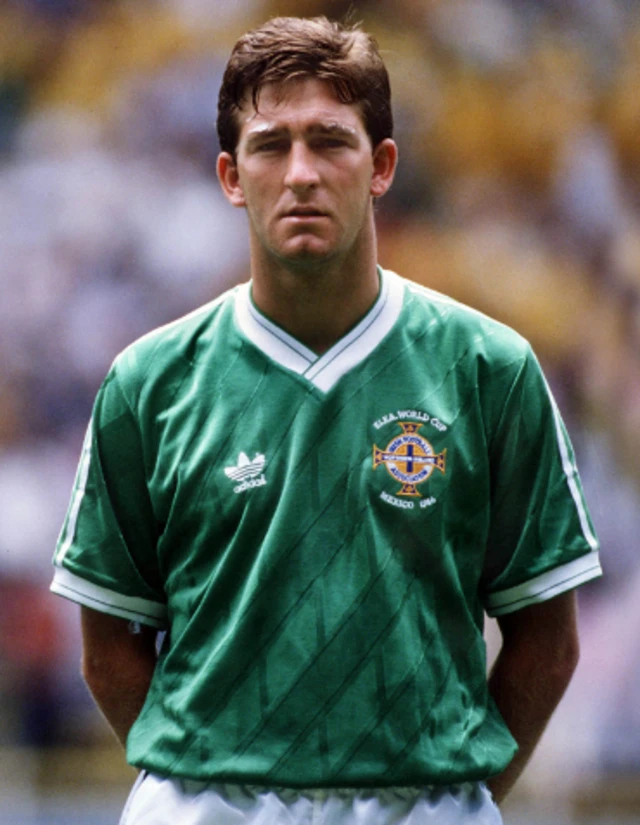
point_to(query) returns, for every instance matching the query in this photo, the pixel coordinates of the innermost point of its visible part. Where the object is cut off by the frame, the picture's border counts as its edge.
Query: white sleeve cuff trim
(99, 598)
(545, 586)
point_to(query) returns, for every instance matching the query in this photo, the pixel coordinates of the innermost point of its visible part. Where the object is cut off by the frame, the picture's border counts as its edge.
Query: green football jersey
(321, 536)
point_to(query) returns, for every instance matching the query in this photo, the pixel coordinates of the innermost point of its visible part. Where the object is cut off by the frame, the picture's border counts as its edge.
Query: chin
(308, 254)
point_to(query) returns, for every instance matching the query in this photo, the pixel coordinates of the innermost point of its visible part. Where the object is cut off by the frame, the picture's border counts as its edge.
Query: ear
(229, 178)
(385, 160)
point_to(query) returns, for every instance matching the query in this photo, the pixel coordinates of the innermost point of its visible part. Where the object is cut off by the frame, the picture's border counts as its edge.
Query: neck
(316, 303)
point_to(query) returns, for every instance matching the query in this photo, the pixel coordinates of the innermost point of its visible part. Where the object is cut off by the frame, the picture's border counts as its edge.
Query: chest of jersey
(262, 463)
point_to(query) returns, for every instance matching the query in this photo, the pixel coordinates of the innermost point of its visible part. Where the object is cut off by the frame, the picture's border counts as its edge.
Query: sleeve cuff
(99, 598)
(545, 586)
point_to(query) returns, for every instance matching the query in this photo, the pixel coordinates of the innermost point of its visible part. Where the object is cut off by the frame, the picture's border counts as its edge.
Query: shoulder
(459, 329)
(174, 348)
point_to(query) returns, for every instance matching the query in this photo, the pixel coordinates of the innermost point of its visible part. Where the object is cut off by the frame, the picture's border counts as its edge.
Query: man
(317, 485)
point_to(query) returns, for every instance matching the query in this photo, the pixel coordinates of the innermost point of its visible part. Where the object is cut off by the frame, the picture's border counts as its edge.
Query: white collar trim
(323, 371)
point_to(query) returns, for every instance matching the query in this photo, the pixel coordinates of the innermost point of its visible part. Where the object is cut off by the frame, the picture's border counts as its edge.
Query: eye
(328, 142)
(275, 145)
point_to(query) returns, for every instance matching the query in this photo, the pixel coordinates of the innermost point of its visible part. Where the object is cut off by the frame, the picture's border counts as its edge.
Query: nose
(302, 173)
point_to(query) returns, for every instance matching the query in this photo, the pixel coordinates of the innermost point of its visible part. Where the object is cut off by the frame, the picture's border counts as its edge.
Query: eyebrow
(268, 131)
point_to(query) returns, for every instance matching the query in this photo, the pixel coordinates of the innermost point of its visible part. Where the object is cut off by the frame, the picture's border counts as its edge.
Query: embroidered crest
(409, 458)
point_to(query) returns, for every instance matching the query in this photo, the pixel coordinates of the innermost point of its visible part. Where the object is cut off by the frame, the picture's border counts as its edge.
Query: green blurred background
(518, 192)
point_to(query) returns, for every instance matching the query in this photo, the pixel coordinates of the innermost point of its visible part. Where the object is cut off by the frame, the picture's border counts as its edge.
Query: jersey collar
(323, 371)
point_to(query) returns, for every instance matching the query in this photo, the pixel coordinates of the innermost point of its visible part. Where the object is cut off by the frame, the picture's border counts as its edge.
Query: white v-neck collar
(325, 370)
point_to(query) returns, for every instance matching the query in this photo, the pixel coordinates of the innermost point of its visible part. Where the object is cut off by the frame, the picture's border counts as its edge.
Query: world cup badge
(409, 458)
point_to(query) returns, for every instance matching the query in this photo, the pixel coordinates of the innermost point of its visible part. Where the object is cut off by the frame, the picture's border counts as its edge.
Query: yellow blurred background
(518, 192)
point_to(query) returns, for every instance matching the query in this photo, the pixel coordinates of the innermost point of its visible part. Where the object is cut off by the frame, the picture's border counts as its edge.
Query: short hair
(289, 48)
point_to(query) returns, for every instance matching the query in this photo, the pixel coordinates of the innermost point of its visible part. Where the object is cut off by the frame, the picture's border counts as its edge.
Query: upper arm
(547, 631)
(540, 541)
(106, 556)
(111, 644)
(118, 663)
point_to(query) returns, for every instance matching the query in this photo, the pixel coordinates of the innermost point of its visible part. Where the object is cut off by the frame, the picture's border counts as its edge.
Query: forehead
(297, 104)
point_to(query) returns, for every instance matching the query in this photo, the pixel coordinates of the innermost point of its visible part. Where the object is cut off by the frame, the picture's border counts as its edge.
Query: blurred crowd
(518, 192)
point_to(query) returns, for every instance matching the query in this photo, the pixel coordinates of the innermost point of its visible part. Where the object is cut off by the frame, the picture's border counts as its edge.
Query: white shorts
(157, 801)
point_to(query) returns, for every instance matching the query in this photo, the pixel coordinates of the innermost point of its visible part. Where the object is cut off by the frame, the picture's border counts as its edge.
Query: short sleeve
(106, 554)
(541, 540)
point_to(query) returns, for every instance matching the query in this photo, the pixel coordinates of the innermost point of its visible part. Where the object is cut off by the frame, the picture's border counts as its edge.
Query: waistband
(464, 790)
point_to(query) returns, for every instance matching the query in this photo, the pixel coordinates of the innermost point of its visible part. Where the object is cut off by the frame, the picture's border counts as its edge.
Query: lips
(305, 212)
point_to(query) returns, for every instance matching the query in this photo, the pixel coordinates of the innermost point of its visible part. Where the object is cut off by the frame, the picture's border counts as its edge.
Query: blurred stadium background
(518, 192)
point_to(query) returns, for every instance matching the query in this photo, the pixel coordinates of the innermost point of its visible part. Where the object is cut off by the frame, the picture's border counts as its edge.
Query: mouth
(305, 212)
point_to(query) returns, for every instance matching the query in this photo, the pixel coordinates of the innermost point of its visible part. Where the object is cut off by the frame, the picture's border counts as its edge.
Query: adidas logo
(248, 472)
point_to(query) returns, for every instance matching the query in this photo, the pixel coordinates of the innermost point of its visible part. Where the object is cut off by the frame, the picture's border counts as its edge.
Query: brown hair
(286, 48)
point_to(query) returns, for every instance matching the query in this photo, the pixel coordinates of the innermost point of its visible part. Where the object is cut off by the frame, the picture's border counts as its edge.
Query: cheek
(260, 206)
(259, 191)
(255, 198)
(355, 195)
(358, 183)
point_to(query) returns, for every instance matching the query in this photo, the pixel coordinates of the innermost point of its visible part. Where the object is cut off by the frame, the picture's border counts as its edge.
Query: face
(306, 173)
